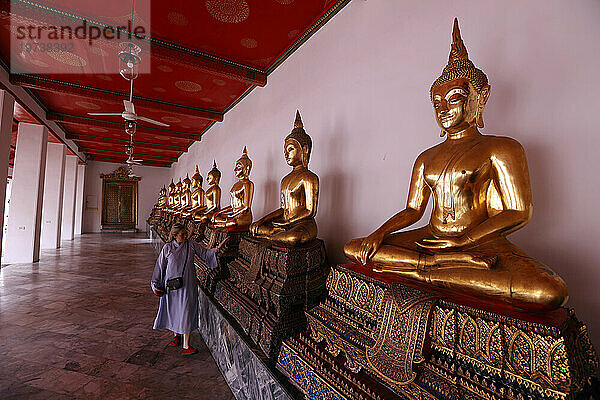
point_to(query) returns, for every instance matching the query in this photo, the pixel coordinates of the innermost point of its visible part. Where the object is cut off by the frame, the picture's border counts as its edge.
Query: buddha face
(455, 105)
(241, 170)
(292, 152)
(212, 178)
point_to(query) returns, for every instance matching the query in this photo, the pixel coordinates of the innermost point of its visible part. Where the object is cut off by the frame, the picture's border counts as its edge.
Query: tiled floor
(78, 324)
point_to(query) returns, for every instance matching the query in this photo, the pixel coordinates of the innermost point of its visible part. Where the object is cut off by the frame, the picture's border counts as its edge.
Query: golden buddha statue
(171, 197)
(197, 195)
(186, 195)
(294, 222)
(161, 200)
(177, 196)
(239, 212)
(212, 195)
(480, 185)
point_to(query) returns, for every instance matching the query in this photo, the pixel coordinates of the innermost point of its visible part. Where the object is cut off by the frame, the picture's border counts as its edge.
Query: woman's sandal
(189, 351)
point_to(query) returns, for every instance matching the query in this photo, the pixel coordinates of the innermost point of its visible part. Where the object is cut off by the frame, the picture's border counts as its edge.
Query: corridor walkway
(78, 324)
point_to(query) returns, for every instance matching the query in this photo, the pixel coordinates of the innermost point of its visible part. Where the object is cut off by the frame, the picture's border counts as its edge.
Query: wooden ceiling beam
(117, 141)
(169, 52)
(106, 152)
(89, 121)
(59, 87)
(91, 157)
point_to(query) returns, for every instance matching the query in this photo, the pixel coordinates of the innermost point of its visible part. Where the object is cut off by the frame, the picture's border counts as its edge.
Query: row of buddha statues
(291, 224)
(480, 188)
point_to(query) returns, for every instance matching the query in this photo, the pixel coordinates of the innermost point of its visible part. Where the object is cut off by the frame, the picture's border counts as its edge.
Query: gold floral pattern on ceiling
(229, 11)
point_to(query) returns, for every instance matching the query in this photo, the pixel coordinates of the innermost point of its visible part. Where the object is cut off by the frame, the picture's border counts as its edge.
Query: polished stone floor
(78, 324)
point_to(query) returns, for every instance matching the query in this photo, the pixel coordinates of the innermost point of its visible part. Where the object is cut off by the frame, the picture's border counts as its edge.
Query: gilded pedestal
(373, 336)
(270, 286)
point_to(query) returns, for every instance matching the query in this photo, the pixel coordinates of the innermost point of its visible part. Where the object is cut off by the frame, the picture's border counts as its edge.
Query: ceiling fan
(130, 56)
(129, 114)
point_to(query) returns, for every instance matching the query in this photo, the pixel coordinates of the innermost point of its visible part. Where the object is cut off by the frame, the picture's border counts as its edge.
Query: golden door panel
(119, 204)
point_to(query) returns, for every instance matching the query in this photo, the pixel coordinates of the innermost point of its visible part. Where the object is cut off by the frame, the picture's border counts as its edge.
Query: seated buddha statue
(294, 222)
(239, 212)
(162, 198)
(481, 193)
(212, 196)
(177, 196)
(186, 195)
(197, 196)
(171, 196)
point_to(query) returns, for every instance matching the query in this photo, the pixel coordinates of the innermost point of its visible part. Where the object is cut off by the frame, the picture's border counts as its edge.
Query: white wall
(362, 85)
(153, 178)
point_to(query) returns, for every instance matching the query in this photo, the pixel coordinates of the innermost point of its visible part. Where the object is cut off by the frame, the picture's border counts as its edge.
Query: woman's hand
(220, 245)
(159, 292)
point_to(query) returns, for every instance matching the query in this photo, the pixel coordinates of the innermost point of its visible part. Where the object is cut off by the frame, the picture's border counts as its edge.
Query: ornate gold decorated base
(373, 337)
(269, 288)
(211, 237)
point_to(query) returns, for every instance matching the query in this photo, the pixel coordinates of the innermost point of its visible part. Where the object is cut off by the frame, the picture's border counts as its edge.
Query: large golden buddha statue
(212, 195)
(294, 222)
(239, 212)
(197, 195)
(481, 193)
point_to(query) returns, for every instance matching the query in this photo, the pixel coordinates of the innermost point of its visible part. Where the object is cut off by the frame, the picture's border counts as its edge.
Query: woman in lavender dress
(178, 310)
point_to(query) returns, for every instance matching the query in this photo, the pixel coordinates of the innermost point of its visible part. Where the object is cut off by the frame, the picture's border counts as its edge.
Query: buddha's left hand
(446, 243)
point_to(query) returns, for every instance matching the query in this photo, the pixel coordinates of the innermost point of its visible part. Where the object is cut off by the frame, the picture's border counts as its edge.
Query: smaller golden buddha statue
(186, 195)
(177, 197)
(197, 193)
(212, 195)
(171, 196)
(238, 212)
(294, 222)
(162, 198)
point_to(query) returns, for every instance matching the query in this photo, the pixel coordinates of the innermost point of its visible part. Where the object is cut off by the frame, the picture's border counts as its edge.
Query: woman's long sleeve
(158, 276)
(208, 255)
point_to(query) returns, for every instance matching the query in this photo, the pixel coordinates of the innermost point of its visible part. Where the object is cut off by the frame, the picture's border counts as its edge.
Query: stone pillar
(7, 104)
(79, 198)
(53, 195)
(68, 217)
(27, 194)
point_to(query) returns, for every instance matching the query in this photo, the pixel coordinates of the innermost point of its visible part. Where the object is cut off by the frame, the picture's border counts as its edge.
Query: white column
(7, 104)
(25, 212)
(79, 198)
(68, 217)
(53, 195)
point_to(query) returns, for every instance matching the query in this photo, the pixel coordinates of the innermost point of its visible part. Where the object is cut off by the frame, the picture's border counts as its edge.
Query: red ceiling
(205, 56)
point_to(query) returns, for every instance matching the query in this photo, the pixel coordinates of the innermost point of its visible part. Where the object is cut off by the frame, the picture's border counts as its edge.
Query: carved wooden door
(119, 200)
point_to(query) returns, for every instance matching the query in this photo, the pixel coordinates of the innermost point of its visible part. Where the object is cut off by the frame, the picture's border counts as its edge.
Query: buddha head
(172, 187)
(214, 175)
(187, 182)
(178, 186)
(297, 145)
(243, 166)
(197, 179)
(459, 95)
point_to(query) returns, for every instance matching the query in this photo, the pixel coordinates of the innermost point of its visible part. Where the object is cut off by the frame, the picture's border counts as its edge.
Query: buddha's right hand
(369, 246)
(254, 227)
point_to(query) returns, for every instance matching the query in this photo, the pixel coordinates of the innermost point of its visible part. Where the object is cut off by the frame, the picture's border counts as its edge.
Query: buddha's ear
(482, 99)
